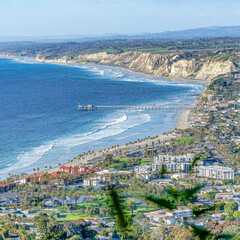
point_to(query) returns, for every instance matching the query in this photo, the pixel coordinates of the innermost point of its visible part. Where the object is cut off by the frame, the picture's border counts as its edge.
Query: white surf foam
(34, 155)
(25, 60)
(117, 126)
(28, 158)
(113, 128)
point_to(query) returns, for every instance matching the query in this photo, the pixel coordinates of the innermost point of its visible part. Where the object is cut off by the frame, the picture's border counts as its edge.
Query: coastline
(148, 75)
(184, 119)
(99, 155)
(120, 68)
(182, 122)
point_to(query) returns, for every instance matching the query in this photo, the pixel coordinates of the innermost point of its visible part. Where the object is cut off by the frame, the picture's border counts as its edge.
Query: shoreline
(182, 122)
(184, 119)
(120, 68)
(148, 75)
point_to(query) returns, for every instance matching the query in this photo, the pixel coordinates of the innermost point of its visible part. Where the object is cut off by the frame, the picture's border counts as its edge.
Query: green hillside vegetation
(122, 163)
(72, 49)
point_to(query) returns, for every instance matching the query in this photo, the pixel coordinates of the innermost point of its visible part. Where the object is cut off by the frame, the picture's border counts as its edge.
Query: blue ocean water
(41, 126)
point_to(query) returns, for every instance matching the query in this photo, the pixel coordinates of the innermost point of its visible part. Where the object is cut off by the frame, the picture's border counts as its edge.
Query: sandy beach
(184, 119)
(182, 122)
(99, 155)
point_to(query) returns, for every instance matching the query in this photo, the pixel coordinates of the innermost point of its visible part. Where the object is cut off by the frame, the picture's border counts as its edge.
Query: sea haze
(41, 126)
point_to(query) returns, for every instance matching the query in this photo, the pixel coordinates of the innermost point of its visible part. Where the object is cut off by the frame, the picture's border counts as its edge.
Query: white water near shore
(64, 145)
(117, 128)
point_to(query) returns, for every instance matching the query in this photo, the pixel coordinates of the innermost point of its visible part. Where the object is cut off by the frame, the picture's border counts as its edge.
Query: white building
(183, 212)
(218, 172)
(93, 182)
(106, 172)
(142, 169)
(172, 163)
(170, 217)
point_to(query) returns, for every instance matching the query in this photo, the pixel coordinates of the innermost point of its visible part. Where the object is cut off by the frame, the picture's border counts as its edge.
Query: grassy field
(71, 217)
(101, 203)
(183, 141)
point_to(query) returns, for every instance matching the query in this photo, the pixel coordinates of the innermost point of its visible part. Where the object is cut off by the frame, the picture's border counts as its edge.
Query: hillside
(202, 59)
(173, 65)
(196, 33)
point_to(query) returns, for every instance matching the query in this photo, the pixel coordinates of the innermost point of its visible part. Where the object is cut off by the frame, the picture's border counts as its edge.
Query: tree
(236, 215)
(145, 236)
(76, 237)
(223, 216)
(229, 208)
(228, 182)
(237, 178)
(132, 206)
(63, 197)
(104, 233)
(114, 234)
(232, 232)
(54, 235)
(220, 206)
(210, 195)
(75, 196)
(158, 233)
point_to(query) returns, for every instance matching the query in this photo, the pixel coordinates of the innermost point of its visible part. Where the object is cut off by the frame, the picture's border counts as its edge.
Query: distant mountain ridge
(207, 32)
(197, 33)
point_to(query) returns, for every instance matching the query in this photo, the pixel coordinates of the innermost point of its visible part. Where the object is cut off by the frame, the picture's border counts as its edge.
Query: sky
(101, 17)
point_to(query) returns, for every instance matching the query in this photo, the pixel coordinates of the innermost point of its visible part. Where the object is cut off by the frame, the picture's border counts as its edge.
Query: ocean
(40, 124)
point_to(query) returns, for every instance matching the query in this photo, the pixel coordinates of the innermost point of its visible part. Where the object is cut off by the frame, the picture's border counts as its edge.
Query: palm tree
(3, 233)
(132, 206)
(63, 197)
(75, 196)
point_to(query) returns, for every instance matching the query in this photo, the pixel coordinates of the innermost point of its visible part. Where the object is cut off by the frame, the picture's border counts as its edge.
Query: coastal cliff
(172, 65)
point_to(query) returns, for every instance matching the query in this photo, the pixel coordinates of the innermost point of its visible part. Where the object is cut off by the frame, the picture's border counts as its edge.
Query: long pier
(132, 107)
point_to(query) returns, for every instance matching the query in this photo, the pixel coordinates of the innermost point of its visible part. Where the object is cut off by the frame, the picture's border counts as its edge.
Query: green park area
(183, 141)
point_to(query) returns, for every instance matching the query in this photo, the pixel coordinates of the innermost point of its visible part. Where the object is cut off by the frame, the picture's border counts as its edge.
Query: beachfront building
(218, 172)
(173, 163)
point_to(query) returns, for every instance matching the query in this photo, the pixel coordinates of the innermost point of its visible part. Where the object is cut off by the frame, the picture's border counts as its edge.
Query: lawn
(67, 216)
(145, 161)
(70, 217)
(183, 141)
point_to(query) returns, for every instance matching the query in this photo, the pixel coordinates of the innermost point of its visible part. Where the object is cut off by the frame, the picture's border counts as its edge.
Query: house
(170, 220)
(65, 169)
(182, 212)
(223, 104)
(170, 217)
(216, 216)
(32, 178)
(198, 204)
(4, 187)
(156, 216)
(224, 196)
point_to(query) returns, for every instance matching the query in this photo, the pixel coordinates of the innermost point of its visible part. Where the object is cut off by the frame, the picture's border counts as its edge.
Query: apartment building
(172, 163)
(218, 172)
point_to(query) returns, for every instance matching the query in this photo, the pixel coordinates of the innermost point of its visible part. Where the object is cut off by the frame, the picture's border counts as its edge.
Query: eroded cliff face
(170, 65)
